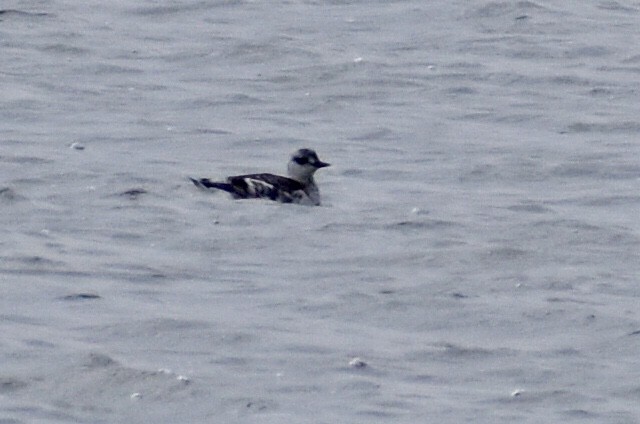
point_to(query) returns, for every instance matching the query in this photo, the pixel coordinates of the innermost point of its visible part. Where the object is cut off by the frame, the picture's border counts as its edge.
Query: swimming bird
(299, 187)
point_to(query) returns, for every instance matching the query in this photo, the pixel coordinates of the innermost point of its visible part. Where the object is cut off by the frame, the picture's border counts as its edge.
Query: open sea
(476, 258)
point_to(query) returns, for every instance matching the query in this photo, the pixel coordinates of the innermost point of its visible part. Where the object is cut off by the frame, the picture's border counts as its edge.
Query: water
(478, 244)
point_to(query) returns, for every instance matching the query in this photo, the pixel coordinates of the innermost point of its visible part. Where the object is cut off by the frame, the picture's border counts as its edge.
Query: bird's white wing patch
(258, 187)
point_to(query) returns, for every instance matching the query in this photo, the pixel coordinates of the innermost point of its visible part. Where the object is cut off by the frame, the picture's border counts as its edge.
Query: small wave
(8, 194)
(428, 224)
(22, 13)
(529, 207)
(605, 127)
(10, 385)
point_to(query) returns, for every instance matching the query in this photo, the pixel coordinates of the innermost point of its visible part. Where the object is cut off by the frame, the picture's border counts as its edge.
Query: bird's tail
(205, 184)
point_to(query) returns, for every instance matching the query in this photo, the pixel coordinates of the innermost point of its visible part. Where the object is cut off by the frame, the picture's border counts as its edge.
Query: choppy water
(478, 247)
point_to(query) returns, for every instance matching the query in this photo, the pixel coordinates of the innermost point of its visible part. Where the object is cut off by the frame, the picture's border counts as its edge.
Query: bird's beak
(322, 164)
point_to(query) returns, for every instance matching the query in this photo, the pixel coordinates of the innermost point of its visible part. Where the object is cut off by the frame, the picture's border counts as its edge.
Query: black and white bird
(299, 187)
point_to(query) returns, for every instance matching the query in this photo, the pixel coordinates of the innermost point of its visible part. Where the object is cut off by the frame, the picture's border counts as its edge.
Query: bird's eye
(301, 161)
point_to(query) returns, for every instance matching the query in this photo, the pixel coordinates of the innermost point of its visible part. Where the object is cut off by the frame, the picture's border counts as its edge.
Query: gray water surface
(478, 247)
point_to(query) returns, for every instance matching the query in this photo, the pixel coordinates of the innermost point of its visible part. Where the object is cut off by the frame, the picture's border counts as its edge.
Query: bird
(299, 187)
